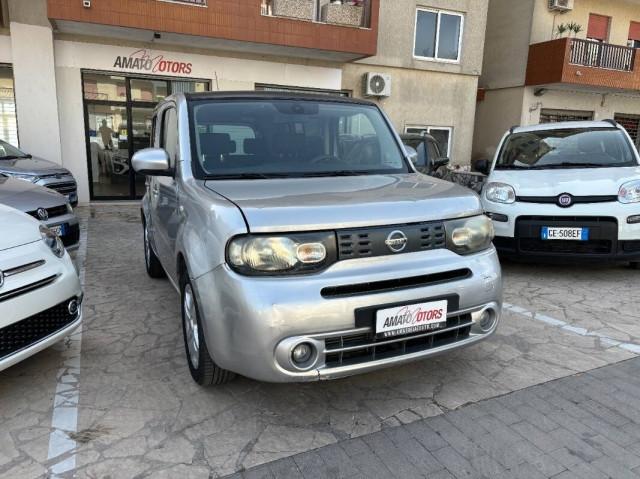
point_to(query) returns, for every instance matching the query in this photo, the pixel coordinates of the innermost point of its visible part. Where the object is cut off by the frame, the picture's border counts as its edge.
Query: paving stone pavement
(585, 426)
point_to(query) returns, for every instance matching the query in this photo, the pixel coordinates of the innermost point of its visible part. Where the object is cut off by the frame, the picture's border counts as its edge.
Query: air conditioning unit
(560, 5)
(377, 84)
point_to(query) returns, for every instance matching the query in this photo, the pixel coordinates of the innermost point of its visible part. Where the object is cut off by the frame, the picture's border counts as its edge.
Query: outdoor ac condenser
(377, 84)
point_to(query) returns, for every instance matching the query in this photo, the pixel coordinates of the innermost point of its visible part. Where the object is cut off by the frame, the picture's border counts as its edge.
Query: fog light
(302, 353)
(633, 219)
(486, 319)
(73, 307)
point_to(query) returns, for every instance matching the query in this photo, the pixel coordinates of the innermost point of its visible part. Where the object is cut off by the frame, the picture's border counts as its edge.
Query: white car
(569, 190)
(40, 293)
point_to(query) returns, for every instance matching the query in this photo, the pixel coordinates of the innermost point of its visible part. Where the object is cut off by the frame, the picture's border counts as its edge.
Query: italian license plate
(59, 230)
(562, 233)
(72, 197)
(411, 318)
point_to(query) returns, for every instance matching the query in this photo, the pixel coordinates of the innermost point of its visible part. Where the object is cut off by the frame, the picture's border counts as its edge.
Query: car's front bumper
(251, 323)
(71, 236)
(33, 301)
(612, 238)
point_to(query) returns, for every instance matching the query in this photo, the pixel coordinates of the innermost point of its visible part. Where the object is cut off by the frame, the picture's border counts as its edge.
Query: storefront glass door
(118, 120)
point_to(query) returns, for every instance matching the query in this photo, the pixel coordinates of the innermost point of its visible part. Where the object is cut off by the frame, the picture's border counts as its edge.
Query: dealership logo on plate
(396, 241)
(565, 200)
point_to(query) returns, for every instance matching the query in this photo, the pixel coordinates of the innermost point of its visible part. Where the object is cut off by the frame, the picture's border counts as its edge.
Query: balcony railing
(590, 53)
(352, 13)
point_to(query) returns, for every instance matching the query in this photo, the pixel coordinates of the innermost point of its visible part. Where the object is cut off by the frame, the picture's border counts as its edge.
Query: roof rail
(513, 128)
(611, 122)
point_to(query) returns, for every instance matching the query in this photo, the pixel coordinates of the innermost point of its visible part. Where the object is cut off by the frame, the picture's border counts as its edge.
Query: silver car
(304, 244)
(23, 166)
(45, 205)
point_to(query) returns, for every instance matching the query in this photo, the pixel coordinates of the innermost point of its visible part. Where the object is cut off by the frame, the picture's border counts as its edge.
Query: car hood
(26, 196)
(32, 166)
(24, 229)
(305, 204)
(575, 181)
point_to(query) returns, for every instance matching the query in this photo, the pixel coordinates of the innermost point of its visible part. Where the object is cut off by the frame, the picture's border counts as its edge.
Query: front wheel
(203, 370)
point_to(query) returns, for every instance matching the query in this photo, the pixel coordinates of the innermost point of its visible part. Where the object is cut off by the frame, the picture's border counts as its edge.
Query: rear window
(567, 148)
(292, 138)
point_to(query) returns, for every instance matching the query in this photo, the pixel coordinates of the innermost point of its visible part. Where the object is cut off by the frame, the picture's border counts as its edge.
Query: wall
(235, 20)
(500, 110)
(35, 90)
(225, 73)
(426, 98)
(397, 31)
(604, 105)
(621, 11)
(507, 43)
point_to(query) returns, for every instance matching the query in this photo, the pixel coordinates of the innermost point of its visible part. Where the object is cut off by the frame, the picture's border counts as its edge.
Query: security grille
(554, 116)
(631, 123)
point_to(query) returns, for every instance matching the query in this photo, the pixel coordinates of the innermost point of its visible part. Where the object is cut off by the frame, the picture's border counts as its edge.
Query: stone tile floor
(139, 414)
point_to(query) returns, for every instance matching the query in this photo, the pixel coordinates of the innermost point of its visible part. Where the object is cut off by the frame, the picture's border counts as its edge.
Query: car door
(165, 191)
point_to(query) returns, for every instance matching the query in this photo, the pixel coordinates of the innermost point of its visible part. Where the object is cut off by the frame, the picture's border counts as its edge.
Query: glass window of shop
(8, 120)
(118, 121)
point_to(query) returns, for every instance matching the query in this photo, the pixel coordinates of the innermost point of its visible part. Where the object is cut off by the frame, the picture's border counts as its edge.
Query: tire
(151, 261)
(203, 370)
(635, 265)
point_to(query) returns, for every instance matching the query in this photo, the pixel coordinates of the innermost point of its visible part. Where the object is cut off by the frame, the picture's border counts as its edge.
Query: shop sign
(143, 61)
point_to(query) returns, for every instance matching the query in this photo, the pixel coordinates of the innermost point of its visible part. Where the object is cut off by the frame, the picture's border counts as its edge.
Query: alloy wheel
(191, 326)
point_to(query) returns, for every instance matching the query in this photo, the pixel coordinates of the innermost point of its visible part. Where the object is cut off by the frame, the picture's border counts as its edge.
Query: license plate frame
(411, 318)
(59, 230)
(565, 233)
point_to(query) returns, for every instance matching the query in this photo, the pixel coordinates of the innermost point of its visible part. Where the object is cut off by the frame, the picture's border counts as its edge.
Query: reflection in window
(104, 87)
(148, 90)
(438, 35)
(8, 121)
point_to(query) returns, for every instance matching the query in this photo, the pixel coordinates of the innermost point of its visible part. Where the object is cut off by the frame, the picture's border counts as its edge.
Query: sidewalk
(580, 427)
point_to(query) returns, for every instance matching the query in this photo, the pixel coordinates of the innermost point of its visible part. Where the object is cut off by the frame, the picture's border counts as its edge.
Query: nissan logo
(43, 214)
(396, 241)
(565, 200)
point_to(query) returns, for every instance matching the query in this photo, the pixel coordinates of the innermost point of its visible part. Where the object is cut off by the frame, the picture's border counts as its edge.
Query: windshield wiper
(511, 167)
(318, 174)
(568, 164)
(11, 157)
(246, 176)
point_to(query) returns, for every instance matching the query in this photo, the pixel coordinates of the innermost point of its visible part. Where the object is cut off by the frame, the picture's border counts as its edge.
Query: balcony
(351, 13)
(266, 27)
(593, 65)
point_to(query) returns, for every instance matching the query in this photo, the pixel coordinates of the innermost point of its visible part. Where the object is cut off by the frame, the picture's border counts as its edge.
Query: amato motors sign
(143, 61)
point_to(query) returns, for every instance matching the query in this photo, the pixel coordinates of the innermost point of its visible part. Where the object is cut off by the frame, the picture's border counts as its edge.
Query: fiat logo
(565, 200)
(396, 241)
(42, 214)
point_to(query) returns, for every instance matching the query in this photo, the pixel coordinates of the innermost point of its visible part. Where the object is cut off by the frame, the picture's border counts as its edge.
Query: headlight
(469, 235)
(500, 193)
(29, 178)
(52, 240)
(282, 254)
(629, 192)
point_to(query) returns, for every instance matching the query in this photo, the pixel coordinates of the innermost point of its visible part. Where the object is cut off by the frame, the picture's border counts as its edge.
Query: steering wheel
(326, 159)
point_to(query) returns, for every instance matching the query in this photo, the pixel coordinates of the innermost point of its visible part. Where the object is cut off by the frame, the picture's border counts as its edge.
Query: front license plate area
(411, 318)
(564, 233)
(59, 230)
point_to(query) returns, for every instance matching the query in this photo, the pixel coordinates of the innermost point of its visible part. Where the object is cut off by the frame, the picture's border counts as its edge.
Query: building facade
(432, 52)
(79, 79)
(538, 69)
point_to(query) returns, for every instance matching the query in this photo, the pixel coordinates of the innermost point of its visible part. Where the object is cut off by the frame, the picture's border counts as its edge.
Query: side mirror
(412, 154)
(152, 162)
(439, 162)
(481, 165)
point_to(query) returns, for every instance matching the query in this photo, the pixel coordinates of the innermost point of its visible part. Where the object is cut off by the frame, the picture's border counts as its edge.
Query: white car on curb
(565, 190)
(40, 293)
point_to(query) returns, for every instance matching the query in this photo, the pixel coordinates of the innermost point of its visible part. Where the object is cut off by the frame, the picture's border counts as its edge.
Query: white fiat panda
(565, 190)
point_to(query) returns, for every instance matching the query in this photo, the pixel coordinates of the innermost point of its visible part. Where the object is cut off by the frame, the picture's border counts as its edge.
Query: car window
(8, 150)
(292, 138)
(566, 148)
(169, 137)
(432, 150)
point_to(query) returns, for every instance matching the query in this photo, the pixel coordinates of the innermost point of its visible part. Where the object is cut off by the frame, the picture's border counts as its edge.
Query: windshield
(8, 151)
(566, 148)
(276, 138)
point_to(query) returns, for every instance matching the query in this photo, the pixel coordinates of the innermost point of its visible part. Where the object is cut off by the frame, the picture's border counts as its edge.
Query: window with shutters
(631, 123)
(598, 29)
(634, 35)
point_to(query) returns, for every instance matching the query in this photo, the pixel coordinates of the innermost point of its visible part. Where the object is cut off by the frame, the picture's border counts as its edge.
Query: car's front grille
(31, 330)
(368, 242)
(52, 212)
(532, 245)
(395, 284)
(575, 199)
(63, 188)
(630, 246)
(365, 347)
